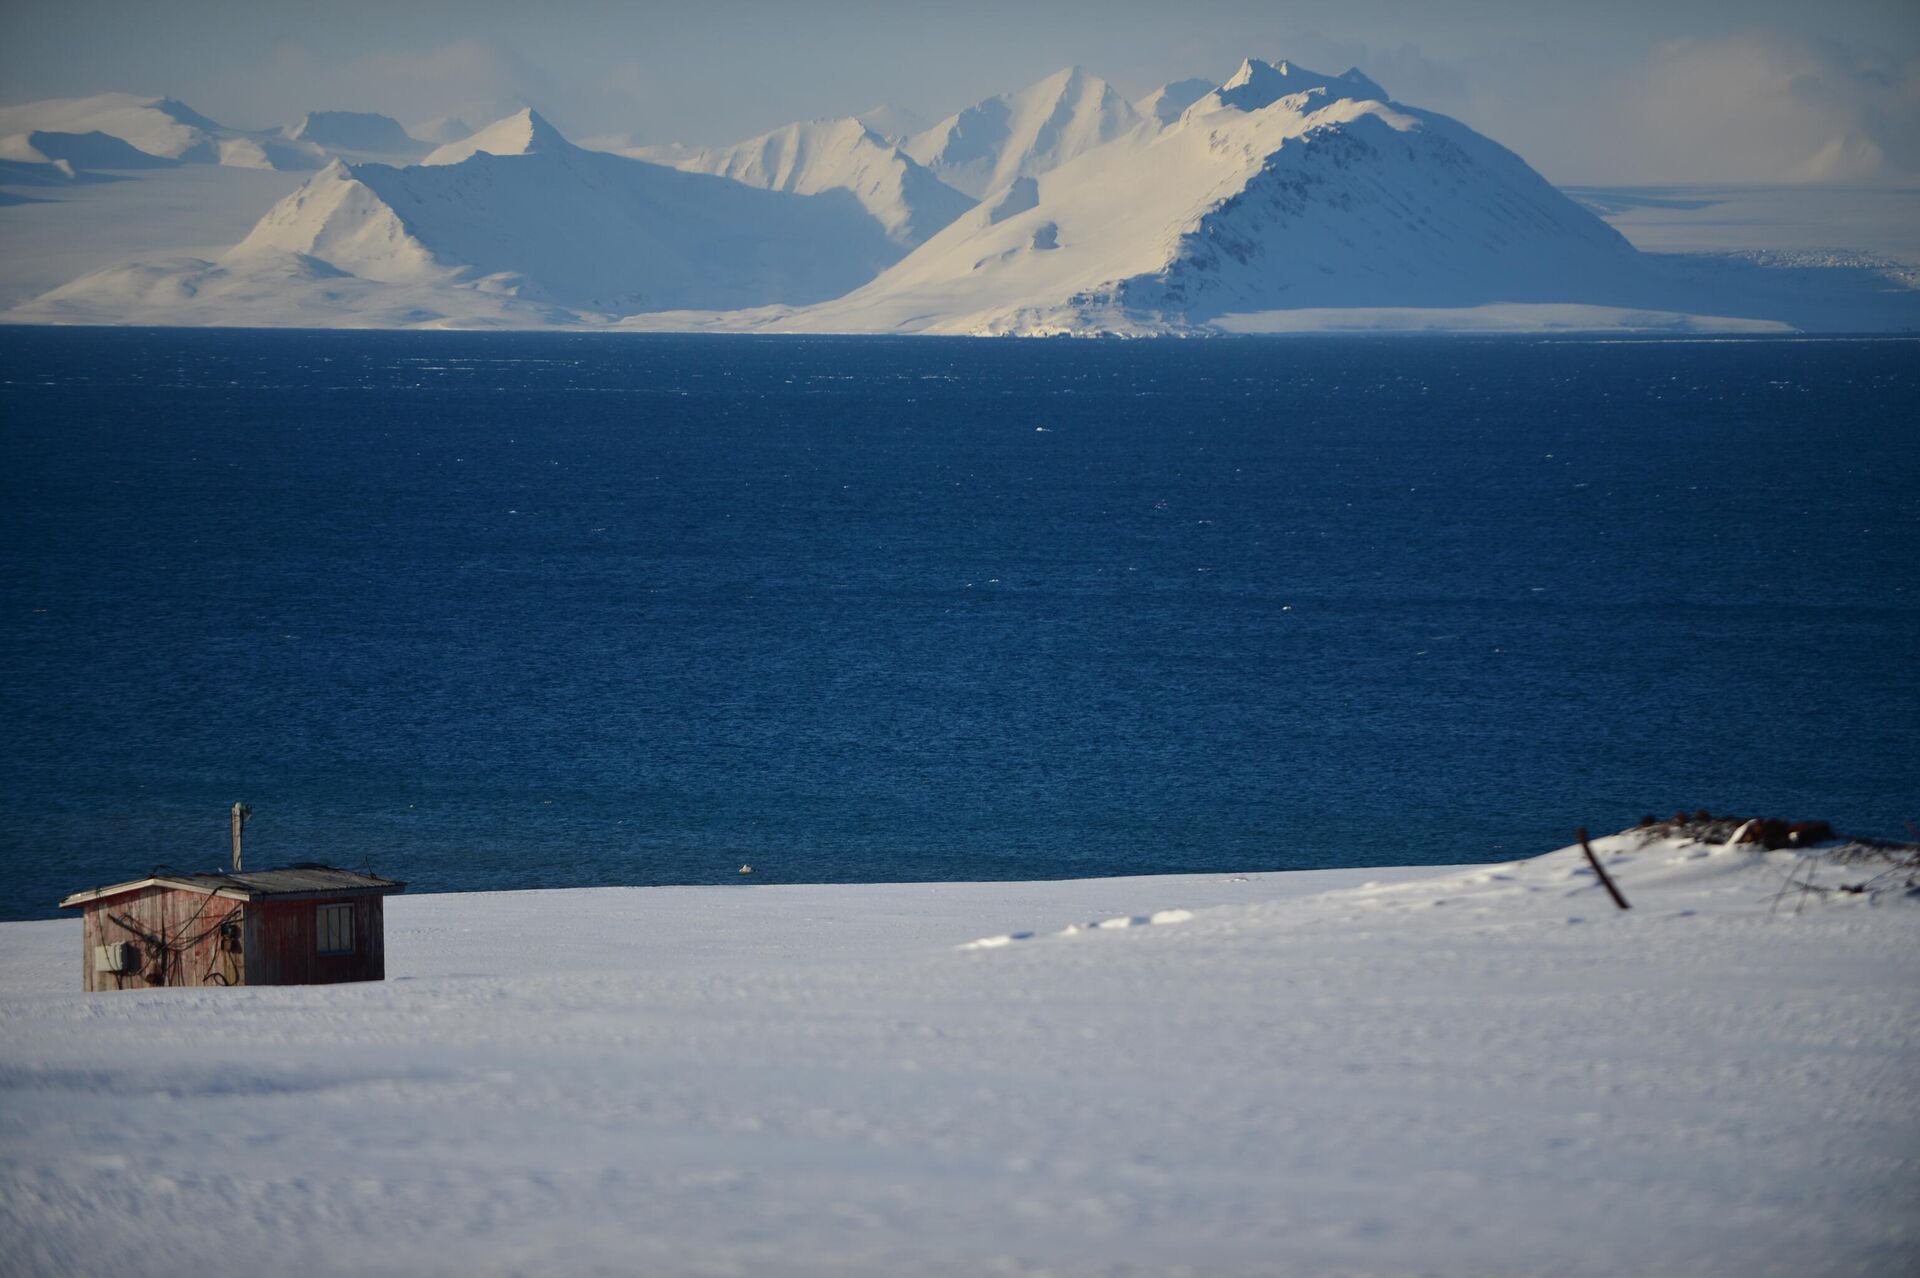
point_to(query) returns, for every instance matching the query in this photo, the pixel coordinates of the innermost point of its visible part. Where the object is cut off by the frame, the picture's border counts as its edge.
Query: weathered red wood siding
(174, 916)
(273, 942)
(282, 942)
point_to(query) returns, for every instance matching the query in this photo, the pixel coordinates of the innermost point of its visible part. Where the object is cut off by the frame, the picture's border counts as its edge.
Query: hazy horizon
(1637, 93)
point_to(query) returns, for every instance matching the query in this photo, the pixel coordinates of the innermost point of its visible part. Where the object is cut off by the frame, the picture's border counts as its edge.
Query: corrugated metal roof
(290, 880)
(299, 878)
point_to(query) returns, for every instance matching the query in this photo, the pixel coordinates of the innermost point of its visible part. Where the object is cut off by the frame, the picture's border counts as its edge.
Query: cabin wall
(282, 943)
(210, 957)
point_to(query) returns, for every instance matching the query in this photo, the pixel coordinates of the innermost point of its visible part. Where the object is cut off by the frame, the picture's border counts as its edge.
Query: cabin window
(335, 931)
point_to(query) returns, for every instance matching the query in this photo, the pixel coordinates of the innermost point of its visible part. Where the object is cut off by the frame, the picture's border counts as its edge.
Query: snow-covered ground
(1807, 221)
(1482, 1071)
(1497, 317)
(59, 232)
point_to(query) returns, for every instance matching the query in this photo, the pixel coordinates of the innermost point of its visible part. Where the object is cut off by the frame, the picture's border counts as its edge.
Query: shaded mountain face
(363, 131)
(551, 222)
(819, 156)
(94, 150)
(1023, 134)
(1283, 188)
(1166, 103)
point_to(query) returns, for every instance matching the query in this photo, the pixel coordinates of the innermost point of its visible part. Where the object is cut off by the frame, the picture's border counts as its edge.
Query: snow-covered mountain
(362, 131)
(1283, 188)
(162, 128)
(1023, 134)
(1166, 103)
(1280, 200)
(518, 210)
(1259, 84)
(525, 132)
(827, 155)
(891, 120)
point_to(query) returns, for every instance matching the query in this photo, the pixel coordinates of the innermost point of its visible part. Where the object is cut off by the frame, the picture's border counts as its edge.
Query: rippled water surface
(511, 610)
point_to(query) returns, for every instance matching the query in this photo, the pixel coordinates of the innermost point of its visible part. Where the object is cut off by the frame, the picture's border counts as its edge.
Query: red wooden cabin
(302, 925)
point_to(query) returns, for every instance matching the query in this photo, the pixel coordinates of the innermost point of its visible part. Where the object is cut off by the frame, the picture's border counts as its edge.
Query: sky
(1621, 92)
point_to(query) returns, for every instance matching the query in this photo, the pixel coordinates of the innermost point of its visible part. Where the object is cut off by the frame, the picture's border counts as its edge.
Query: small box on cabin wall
(120, 956)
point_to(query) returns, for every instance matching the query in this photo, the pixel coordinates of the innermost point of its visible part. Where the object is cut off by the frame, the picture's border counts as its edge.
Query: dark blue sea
(513, 611)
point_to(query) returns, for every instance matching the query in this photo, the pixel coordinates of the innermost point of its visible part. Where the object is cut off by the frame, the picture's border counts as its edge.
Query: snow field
(1483, 1071)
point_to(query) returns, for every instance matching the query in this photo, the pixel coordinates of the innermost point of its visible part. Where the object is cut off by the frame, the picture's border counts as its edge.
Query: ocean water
(511, 610)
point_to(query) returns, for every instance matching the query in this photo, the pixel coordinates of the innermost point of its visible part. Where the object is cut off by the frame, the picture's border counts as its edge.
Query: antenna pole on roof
(240, 814)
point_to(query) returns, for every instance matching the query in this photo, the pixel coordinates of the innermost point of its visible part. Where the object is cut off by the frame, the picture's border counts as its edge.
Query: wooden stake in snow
(1600, 870)
(240, 814)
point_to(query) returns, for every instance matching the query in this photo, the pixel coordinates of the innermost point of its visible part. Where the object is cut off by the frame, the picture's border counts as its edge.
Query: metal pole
(240, 814)
(1600, 870)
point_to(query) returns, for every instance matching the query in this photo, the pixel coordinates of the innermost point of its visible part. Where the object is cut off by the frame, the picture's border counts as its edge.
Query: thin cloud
(468, 77)
(1758, 107)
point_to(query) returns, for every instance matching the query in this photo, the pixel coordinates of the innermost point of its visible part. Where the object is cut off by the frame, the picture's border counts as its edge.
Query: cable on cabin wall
(170, 954)
(228, 928)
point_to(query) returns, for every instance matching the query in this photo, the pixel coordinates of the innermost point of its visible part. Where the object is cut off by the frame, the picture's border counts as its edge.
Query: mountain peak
(537, 131)
(525, 132)
(1023, 133)
(1069, 82)
(1259, 84)
(839, 154)
(180, 112)
(891, 120)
